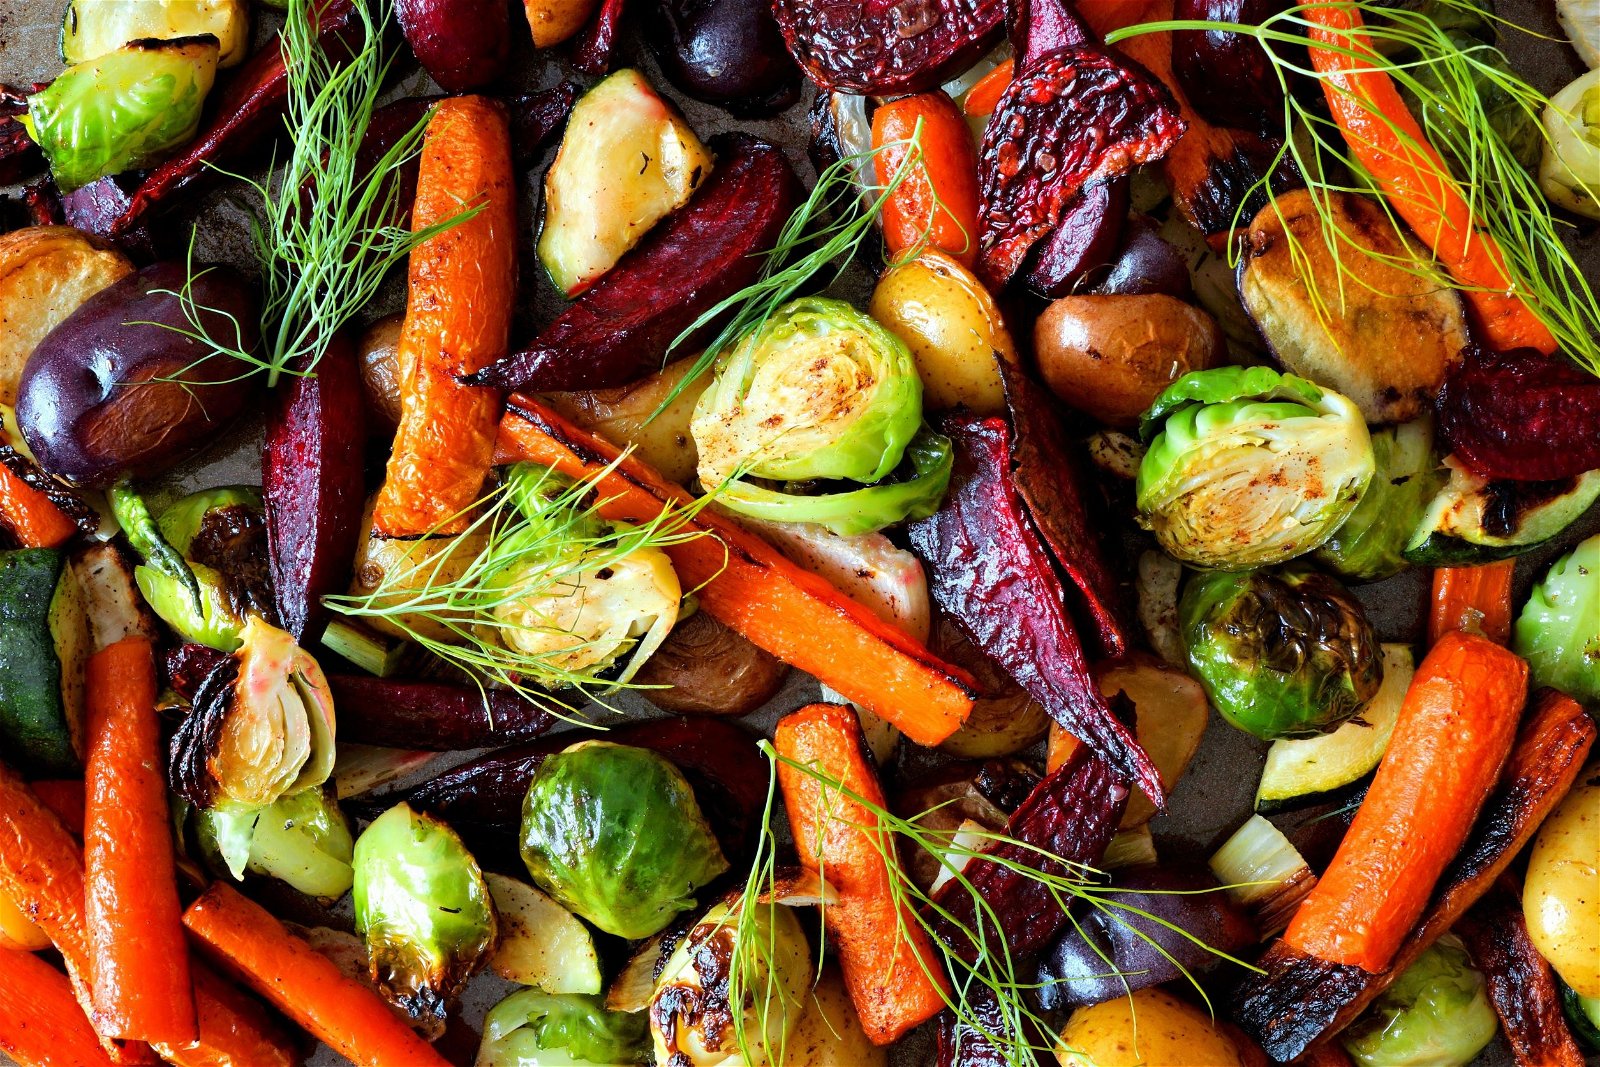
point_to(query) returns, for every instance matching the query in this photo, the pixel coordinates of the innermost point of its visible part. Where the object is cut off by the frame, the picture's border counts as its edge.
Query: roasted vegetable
(1284, 653)
(1263, 873)
(1083, 242)
(1249, 467)
(424, 911)
(706, 668)
(1521, 416)
(541, 944)
(1562, 883)
(598, 198)
(1436, 1013)
(1472, 520)
(1369, 545)
(46, 273)
(1558, 632)
(1111, 356)
(42, 652)
(123, 110)
(462, 44)
(1227, 77)
(91, 28)
(533, 1027)
(301, 839)
(633, 415)
(726, 52)
(1509, 118)
(1147, 1026)
(1570, 171)
(555, 21)
(206, 565)
(403, 713)
(614, 834)
(883, 51)
(116, 389)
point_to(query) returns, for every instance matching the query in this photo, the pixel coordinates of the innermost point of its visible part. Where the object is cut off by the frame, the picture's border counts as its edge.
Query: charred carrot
(749, 586)
(936, 202)
(1474, 599)
(40, 1021)
(65, 797)
(984, 96)
(458, 320)
(1454, 732)
(895, 977)
(31, 517)
(1385, 139)
(139, 962)
(304, 984)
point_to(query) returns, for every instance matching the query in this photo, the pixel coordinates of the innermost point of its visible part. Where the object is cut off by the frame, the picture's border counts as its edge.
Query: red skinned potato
(312, 482)
(462, 44)
(117, 390)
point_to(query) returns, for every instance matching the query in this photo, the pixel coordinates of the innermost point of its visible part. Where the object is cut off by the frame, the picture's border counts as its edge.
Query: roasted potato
(46, 272)
(709, 669)
(406, 564)
(1148, 1028)
(622, 416)
(554, 21)
(1110, 356)
(1380, 332)
(379, 351)
(1561, 896)
(953, 328)
(829, 1033)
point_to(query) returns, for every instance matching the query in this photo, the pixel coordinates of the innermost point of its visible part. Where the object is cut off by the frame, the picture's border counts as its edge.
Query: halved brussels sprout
(424, 911)
(1369, 545)
(182, 520)
(615, 835)
(1248, 467)
(260, 730)
(302, 840)
(531, 1028)
(1284, 653)
(692, 1021)
(1436, 1014)
(1558, 632)
(91, 28)
(123, 110)
(819, 391)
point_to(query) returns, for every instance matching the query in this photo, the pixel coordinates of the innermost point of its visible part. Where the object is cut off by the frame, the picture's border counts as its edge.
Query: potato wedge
(46, 272)
(1150, 1027)
(554, 21)
(1380, 333)
(541, 943)
(1559, 896)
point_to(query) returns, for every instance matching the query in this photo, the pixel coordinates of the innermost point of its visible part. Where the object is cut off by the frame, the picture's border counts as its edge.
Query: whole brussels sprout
(615, 835)
(1248, 467)
(1369, 544)
(1284, 653)
(1436, 1014)
(1558, 632)
(423, 909)
(532, 1028)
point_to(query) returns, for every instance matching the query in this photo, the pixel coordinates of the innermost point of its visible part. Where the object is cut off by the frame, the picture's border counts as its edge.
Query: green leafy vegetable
(146, 538)
(207, 620)
(531, 1028)
(302, 840)
(1436, 1014)
(1558, 632)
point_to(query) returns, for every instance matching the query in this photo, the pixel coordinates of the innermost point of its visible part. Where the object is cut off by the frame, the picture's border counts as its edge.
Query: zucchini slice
(1473, 521)
(1308, 770)
(34, 720)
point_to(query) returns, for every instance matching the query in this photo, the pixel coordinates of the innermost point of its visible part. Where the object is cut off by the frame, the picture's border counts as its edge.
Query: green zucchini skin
(33, 717)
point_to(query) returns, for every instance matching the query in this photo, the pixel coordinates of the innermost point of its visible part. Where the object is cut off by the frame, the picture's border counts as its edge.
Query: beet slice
(619, 329)
(437, 716)
(462, 44)
(887, 47)
(594, 49)
(1521, 416)
(312, 479)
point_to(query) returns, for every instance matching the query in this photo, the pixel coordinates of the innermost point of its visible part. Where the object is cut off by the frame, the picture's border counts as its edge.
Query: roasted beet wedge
(990, 571)
(536, 118)
(887, 47)
(1074, 116)
(312, 468)
(1084, 240)
(19, 156)
(462, 44)
(406, 713)
(1521, 416)
(592, 55)
(619, 329)
(1040, 27)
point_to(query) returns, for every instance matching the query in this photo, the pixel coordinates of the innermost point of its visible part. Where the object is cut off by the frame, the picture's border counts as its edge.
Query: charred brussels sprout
(1248, 467)
(691, 1019)
(122, 110)
(1371, 542)
(1558, 632)
(615, 835)
(424, 911)
(1436, 1013)
(1284, 653)
(532, 1028)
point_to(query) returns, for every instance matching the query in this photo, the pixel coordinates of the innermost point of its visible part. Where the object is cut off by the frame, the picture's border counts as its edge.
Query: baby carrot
(936, 202)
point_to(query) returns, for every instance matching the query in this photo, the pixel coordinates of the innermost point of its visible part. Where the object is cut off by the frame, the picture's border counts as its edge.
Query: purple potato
(727, 52)
(1147, 264)
(116, 389)
(463, 44)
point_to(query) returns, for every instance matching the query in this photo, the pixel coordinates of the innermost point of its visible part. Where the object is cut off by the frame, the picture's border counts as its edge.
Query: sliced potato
(541, 944)
(1380, 331)
(1148, 1028)
(829, 1032)
(46, 272)
(623, 417)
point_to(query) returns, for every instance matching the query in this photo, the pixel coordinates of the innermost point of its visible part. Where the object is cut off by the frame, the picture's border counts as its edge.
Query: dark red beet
(619, 329)
(312, 471)
(407, 713)
(1521, 416)
(1074, 116)
(537, 118)
(1039, 27)
(96, 207)
(887, 47)
(1228, 77)
(726, 52)
(462, 44)
(963, 1045)
(1083, 241)
(19, 156)
(592, 55)
(188, 665)
(989, 570)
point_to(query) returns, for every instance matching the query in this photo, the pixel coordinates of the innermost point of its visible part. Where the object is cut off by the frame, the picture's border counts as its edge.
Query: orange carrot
(40, 1021)
(1059, 747)
(895, 977)
(1386, 140)
(31, 517)
(65, 797)
(458, 320)
(749, 586)
(1454, 732)
(139, 963)
(936, 202)
(984, 96)
(235, 1030)
(304, 984)
(1474, 599)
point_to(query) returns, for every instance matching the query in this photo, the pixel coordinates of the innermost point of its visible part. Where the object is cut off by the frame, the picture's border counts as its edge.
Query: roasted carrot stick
(458, 320)
(984, 96)
(895, 977)
(234, 1029)
(139, 962)
(65, 797)
(40, 1021)
(748, 585)
(1474, 599)
(29, 515)
(304, 984)
(1386, 140)
(1455, 730)
(936, 202)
